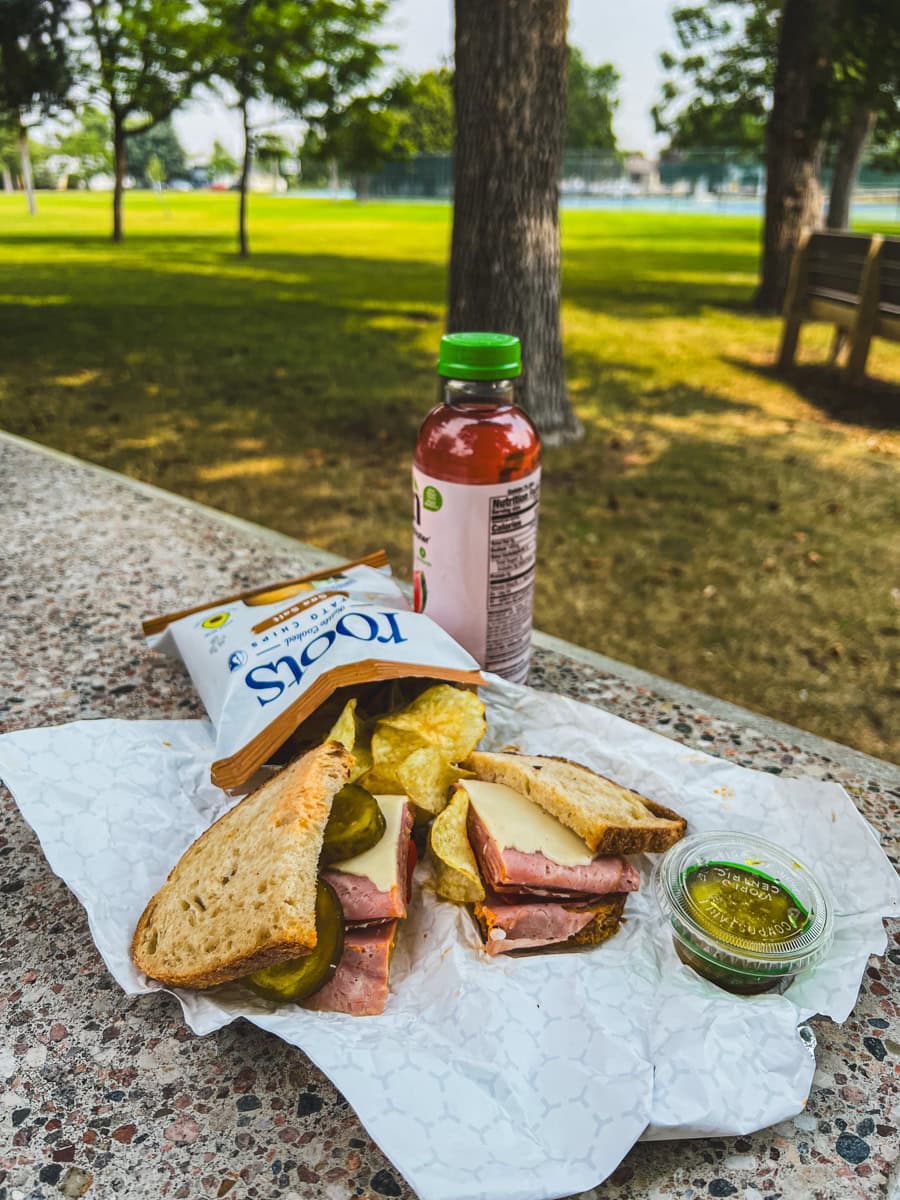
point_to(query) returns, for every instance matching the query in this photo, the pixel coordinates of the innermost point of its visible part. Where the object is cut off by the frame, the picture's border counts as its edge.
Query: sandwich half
(245, 901)
(243, 896)
(545, 844)
(373, 889)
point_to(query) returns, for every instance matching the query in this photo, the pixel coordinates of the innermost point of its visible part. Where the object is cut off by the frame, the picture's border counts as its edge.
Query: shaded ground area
(716, 525)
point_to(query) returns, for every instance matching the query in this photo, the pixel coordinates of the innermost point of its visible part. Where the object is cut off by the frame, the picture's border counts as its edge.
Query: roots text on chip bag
(265, 660)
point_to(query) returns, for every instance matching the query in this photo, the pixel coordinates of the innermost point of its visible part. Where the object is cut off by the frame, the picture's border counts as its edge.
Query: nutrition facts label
(512, 553)
(475, 547)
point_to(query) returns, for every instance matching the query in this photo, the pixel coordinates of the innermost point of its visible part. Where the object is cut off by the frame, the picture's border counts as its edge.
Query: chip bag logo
(237, 659)
(269, 679)
(216, 621)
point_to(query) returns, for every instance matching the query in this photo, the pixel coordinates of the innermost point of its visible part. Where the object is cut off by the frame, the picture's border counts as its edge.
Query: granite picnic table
(106, 1095)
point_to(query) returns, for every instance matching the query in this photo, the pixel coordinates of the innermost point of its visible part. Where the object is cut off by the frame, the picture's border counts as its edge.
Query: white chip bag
(264, 660)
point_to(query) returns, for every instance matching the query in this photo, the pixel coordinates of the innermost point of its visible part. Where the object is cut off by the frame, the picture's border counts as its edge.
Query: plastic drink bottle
(476, 491)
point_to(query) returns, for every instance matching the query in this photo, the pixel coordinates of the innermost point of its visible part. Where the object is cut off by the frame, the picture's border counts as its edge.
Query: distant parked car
(179, 185)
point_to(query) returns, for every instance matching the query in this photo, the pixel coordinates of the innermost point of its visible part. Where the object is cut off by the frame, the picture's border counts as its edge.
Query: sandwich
(296, 891)
(536, 845)
(373, 888)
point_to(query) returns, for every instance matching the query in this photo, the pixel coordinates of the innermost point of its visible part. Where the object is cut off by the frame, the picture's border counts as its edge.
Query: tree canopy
(35, 70)
(90, 143)
(591, 104)
(160, 142)
(718, 88)
(308, 59)
(149, 55)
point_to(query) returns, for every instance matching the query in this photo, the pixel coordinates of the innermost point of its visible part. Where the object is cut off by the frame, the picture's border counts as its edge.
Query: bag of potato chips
(265, 660)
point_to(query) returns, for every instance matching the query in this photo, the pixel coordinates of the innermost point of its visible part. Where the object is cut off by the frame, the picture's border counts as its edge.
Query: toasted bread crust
(629, 832)
(242, 896)
(605, 923)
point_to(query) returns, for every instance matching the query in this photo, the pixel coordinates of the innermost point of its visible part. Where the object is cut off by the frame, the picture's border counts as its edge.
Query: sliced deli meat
(373, 885)
(519, 848)
(360, 985)
(526, 924)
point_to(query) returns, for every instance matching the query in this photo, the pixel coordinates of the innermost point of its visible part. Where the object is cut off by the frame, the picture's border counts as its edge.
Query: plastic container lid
(744, 912)
(479, 356)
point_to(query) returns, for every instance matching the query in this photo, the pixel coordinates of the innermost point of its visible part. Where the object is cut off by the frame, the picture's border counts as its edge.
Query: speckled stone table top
(106, 1095)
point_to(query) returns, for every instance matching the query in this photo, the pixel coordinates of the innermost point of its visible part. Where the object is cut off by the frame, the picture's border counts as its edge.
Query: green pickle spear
(299, 978)
(356, 824)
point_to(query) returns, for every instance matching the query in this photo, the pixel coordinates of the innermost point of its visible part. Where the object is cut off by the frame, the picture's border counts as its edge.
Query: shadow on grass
(875, 403)
(604, 388)
(637, 277)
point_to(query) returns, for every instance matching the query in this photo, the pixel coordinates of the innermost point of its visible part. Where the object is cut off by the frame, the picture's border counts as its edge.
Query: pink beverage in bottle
(476, 491)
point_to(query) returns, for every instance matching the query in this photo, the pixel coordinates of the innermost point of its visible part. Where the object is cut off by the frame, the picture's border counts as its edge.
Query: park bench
(850, 281)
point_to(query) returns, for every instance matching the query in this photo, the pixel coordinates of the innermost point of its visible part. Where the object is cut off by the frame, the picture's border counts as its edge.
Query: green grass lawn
(715, 525)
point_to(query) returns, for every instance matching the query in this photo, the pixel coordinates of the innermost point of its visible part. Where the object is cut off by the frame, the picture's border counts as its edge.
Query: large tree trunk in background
(854, 136)
(120, 167)
(794, 139)
(510, 94)
(243, 245)
(27, 178)
(7, 178)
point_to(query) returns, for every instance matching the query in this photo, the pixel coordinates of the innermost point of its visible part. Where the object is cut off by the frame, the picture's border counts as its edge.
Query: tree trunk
(27, 178)
(243, 245)
(795, 138)
(510, 95)
(854, 136)
(7, 178)
(120, 166)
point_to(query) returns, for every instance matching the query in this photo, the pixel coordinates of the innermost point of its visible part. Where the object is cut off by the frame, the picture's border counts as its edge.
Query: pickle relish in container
(745, 914)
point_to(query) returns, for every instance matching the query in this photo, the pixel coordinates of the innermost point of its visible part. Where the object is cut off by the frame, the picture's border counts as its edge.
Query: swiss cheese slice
(515, 823)
(380, 862)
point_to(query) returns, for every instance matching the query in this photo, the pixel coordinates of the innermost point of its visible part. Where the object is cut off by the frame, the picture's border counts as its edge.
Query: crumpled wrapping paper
(512, 1078)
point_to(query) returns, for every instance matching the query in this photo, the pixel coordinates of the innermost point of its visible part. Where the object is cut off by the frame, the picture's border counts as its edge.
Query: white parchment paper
(514, 1079)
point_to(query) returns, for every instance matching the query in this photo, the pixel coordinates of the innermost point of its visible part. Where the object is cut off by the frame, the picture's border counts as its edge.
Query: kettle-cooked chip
(380, 785)
(444, 716)
(456, 871)
(391, 746)
(427, 777)
(412, 750)
(353, 733)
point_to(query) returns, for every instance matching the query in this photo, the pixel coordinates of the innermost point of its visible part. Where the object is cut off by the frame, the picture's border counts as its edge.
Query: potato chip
(390, 749)
(354, 734)
(456, 871)
(426, 777)
(378, 785)
(444, 716)
(344, 728)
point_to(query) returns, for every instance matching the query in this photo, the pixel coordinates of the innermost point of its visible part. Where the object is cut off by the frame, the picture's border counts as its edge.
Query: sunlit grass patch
(717, 524)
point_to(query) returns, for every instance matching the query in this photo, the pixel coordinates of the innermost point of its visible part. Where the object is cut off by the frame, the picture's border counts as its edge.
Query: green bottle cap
(479, 356)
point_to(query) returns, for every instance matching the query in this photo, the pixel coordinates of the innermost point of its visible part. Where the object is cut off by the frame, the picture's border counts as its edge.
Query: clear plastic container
(745, 913)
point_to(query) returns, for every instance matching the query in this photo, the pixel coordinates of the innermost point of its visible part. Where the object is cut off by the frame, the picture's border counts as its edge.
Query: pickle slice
(356, 824)
(300, 977)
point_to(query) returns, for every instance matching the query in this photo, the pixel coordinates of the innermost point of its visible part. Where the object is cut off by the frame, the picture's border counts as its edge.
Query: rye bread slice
(611, 819)
(243, 895)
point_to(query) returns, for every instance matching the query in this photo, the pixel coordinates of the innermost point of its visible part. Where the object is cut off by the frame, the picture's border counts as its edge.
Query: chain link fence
(716, 180)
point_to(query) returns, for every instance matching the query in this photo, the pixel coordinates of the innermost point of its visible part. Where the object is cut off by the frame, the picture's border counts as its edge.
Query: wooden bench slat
(852, 281)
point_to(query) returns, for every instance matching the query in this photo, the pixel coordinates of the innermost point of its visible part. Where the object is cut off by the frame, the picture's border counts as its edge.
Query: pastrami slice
(505, 868)
(359, 986)
(361, 898)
